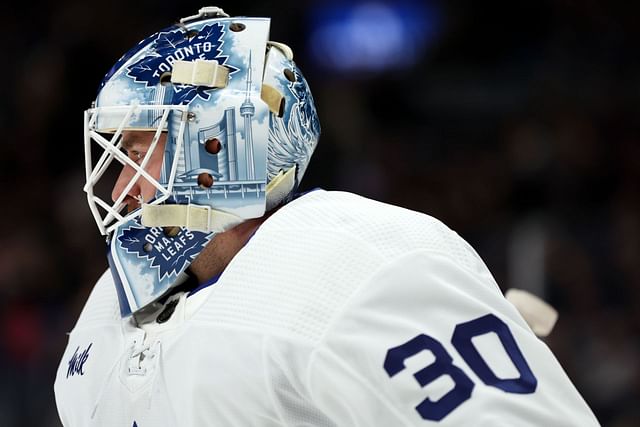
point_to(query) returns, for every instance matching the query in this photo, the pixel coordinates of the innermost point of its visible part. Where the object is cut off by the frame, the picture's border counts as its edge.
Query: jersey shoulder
(307, 261)
(389, 230)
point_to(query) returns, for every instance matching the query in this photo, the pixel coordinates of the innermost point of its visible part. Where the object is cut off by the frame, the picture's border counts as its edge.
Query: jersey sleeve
(426, 341)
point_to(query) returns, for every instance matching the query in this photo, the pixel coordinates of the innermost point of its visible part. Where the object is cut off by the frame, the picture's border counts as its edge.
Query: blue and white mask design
(151, 259)
(219, 112)
(171, 46)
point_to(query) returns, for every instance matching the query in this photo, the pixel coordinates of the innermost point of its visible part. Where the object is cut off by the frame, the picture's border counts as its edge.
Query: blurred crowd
(518, 127)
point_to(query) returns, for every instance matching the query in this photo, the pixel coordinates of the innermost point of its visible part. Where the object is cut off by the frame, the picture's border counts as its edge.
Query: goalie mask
(198, 128)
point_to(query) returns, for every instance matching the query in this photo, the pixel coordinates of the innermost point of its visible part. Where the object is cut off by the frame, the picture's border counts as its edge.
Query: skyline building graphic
(233, 167)
(247, 110)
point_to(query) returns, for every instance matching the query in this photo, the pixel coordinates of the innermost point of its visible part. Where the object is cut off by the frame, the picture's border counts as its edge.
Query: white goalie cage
(104, 128)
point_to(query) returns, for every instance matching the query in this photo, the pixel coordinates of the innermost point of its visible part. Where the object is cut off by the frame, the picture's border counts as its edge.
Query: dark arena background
(515, 123)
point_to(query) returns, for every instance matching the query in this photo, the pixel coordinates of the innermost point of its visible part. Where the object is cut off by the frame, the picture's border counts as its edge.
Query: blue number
(429, 409)
(461, 340)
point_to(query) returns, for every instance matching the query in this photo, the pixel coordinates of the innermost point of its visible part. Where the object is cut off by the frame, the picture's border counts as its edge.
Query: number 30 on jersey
(442, 365)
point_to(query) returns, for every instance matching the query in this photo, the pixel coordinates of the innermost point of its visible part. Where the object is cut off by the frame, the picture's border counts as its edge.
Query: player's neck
(220, 251)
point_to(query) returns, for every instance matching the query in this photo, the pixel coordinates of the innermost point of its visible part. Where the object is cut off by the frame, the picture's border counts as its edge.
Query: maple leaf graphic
(168, 255)
(173, 45)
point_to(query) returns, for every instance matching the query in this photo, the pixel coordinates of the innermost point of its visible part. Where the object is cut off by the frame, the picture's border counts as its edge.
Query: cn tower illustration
(233, 166)
(247, 110)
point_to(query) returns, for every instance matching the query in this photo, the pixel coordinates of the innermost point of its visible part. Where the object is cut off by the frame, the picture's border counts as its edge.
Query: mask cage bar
(112, 151)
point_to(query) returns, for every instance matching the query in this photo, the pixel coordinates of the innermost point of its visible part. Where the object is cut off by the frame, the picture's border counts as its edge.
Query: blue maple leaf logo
(172, 45)
(167, 254)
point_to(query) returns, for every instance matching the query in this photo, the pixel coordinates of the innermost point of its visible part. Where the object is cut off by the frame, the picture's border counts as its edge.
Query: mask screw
(191, 116)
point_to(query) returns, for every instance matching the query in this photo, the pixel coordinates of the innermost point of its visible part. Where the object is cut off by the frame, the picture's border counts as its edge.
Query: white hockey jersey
(340, 311)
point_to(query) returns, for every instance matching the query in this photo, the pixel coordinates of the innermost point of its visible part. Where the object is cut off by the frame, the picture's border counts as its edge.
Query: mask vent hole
(281, 108)
(237, 27)
(205, 180)
(171, 231)
(191, 34)
(289, 75)
(212, 145)
(165, 79)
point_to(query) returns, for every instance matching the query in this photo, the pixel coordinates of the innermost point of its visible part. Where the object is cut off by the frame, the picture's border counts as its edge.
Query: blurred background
(515, 123)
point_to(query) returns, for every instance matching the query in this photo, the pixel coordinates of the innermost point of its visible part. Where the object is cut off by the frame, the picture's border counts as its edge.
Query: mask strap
(204, 218)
